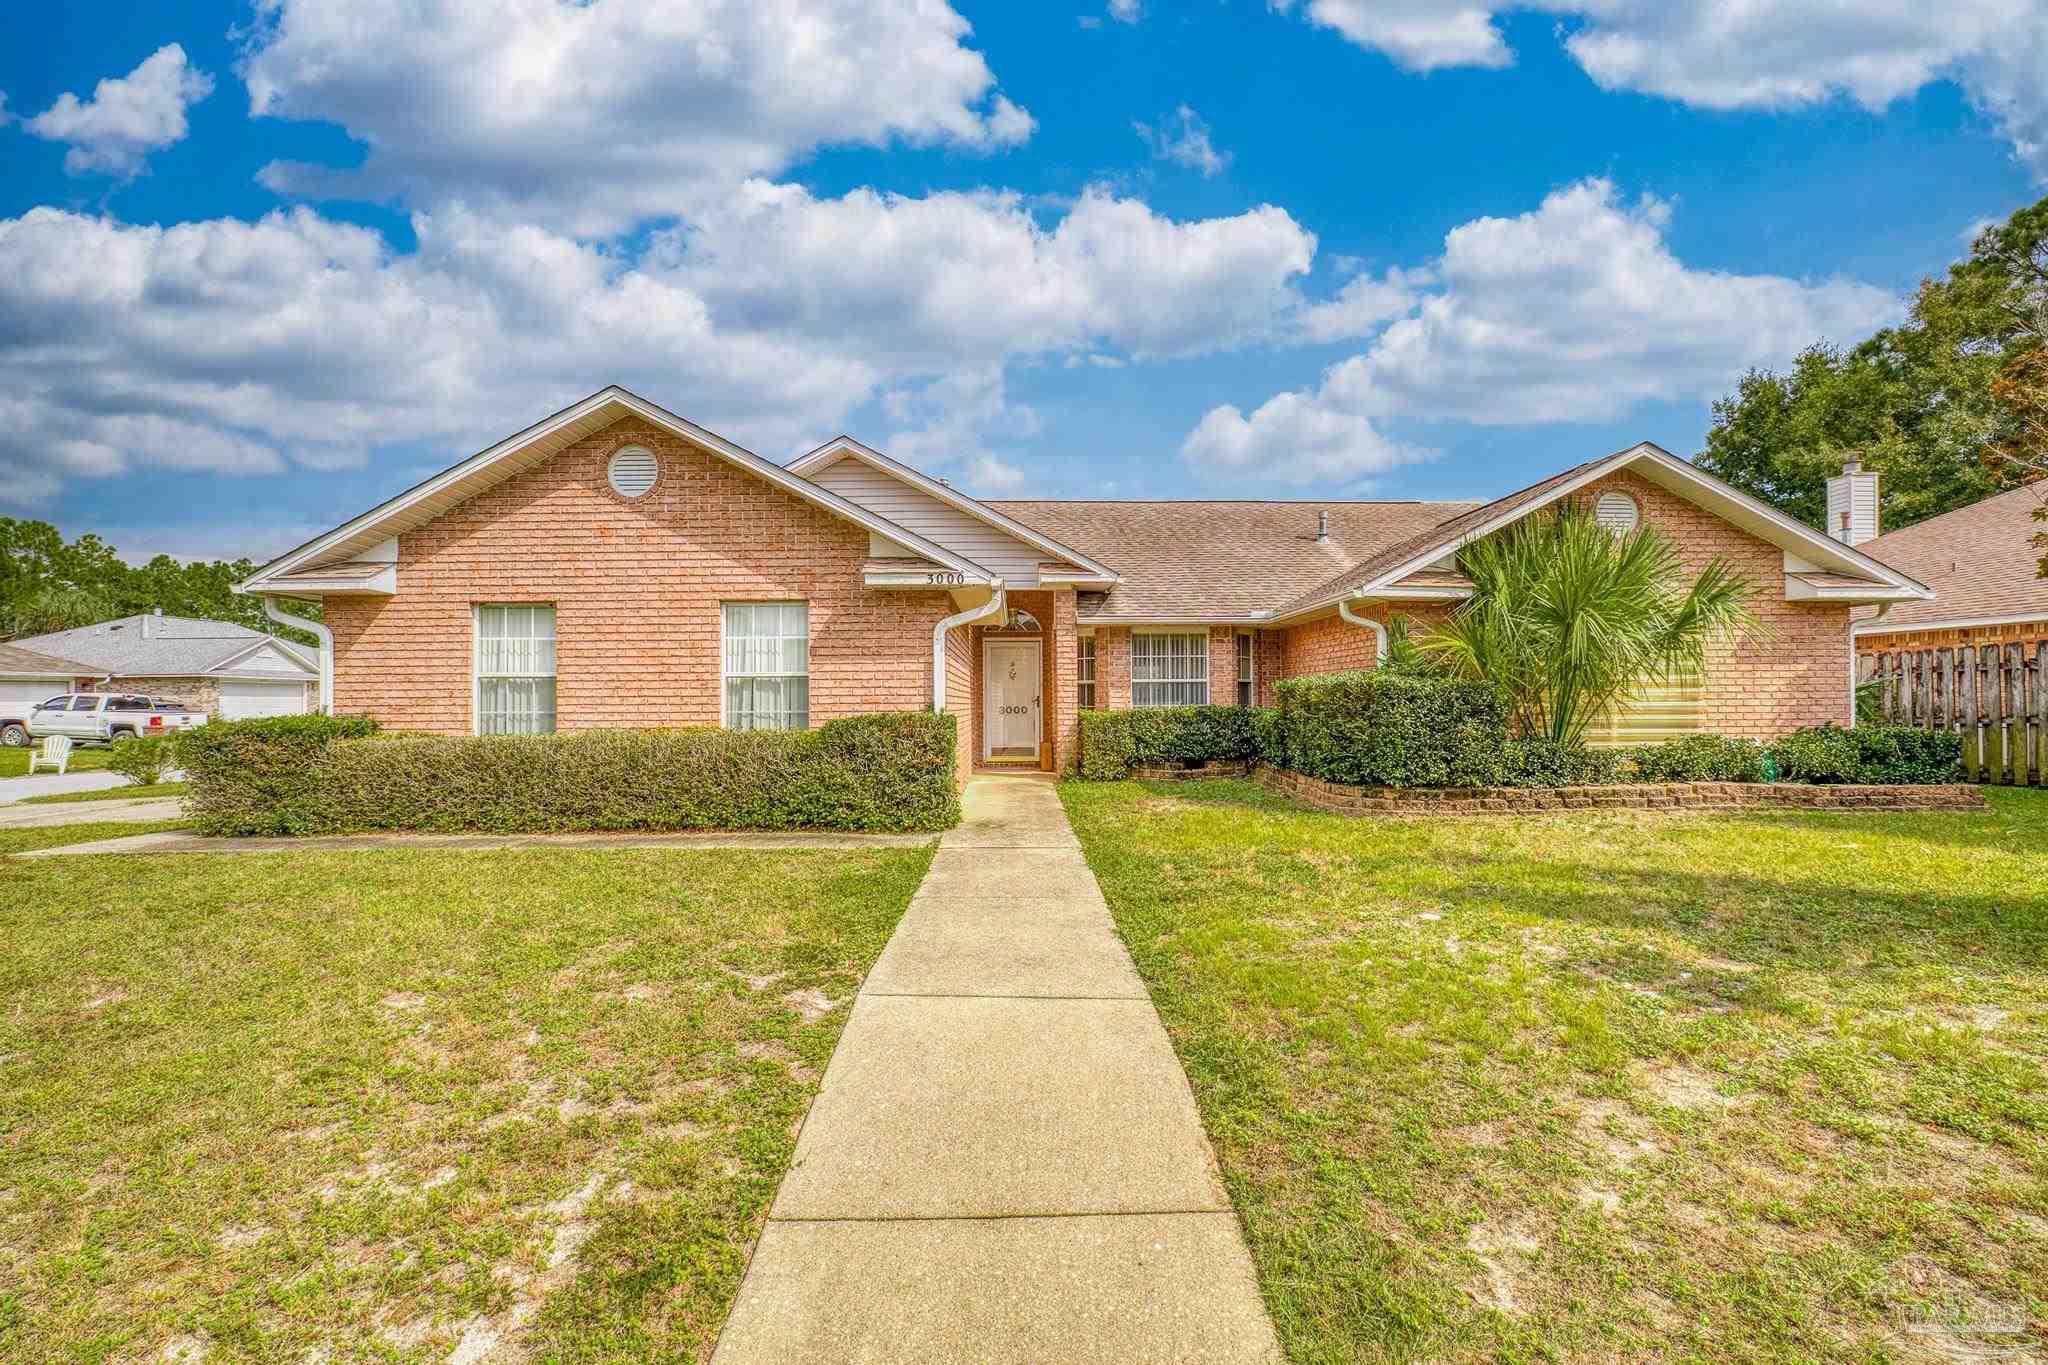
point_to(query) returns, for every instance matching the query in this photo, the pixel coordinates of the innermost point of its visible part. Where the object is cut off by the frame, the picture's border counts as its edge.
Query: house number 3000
(1016, 710)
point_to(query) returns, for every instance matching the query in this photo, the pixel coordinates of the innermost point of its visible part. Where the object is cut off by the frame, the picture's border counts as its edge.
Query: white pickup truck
(110, 717)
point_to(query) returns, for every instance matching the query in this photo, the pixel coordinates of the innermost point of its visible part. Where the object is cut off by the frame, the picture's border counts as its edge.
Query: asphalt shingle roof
(1220, 561)
(172, 646)
(1976, 558)
(16, 661)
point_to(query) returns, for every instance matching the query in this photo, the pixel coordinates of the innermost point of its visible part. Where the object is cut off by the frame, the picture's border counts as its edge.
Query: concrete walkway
(106, 812)
(173, 842)
(1004, 1161)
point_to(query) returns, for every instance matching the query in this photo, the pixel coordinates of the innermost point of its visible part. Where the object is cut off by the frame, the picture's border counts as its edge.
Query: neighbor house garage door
(18, 696)
(240, 700)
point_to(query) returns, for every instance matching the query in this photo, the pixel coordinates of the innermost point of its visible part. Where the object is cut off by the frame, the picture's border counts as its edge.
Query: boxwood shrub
(889, 771)
(1112, 742)
(1547, 763)
(1697, 758)
(1382, 728)
(1869, 753)
(261, 776)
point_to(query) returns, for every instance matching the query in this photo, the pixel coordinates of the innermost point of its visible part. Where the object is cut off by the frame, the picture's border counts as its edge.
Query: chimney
(1322, 526)
(1852, 505)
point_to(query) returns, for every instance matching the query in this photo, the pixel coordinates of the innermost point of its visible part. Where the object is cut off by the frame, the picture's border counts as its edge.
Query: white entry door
(1012, 697)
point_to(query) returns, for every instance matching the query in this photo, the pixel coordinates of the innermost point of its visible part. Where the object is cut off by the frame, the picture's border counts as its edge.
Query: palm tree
(1569, 619)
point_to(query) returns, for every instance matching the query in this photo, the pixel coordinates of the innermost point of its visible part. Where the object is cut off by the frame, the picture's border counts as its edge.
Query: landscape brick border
(1150, 772)
(1343, 800)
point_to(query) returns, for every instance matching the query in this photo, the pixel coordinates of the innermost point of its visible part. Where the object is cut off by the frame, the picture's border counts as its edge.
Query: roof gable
(149, 645)
(867, 476)
(425, 501)
(1659, 466)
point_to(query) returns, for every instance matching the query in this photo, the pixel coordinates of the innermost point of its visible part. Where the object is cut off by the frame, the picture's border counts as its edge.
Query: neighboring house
(617, 565)
(1985, 572)
(28, 677)
(227, 670)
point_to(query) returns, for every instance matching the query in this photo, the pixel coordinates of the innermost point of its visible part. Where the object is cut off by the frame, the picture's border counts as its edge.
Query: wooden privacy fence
(1994, 696)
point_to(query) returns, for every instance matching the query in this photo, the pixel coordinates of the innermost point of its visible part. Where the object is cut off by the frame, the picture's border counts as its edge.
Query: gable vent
(1617, 512)
(632, 471)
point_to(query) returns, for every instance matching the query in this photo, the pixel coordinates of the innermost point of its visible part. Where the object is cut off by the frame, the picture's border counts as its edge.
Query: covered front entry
(1012, 701)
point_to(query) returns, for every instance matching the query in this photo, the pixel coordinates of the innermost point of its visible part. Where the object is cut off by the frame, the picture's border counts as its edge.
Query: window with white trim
(1085, 671)
(1247, 670)
(515, 670)
(1170, 670)
(767, 666)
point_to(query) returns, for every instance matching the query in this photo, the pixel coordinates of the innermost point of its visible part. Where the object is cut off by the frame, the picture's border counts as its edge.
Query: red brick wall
(1113, 667)
(1222, 665)
(637, 589)
(1798, 675)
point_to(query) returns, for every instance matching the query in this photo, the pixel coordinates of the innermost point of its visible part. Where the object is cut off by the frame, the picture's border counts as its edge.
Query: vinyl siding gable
(914, 510)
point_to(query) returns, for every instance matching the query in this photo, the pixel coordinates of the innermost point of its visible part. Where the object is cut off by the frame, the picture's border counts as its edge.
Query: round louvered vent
(632, 471)
(1617, 512)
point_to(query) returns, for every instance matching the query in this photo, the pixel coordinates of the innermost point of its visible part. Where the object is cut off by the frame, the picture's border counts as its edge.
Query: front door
(1012, 699)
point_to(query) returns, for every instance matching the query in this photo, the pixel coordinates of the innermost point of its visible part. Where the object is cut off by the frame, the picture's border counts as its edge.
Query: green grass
(131, 792)
(85, 758)
(365, 1106)
(1628, 1086)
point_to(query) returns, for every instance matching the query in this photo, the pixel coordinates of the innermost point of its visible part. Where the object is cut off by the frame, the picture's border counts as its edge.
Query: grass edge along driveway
(1621, 1086)
(379, 1105)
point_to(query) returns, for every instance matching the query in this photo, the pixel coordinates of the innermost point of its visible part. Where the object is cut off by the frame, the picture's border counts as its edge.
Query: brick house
(617, 565)
(1984, 569)
(218, 667)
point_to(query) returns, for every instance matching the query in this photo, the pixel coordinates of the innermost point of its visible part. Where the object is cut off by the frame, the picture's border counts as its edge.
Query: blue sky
(290, 258)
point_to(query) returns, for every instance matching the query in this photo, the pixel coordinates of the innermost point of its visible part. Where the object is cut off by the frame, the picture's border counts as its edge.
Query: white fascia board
(840, 446)
(627, 402)
(1880, 625)
(257, 646)
(1798, 590)
(1076, 580)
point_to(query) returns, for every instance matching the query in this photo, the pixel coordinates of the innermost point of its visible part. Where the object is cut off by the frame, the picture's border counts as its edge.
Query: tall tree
(1914, 402)
(48, 583)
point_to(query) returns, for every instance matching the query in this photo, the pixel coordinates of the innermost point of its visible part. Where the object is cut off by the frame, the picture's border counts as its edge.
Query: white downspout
(1379, 632)
(962, 618)
(326, 638)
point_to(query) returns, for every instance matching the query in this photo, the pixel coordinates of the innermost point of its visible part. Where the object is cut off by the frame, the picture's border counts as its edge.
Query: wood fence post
(2038, 773)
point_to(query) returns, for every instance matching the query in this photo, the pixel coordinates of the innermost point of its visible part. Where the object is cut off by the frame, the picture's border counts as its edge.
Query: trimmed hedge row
(1382, 728)
(1113, 742)
(1869, 754)
(320, 775)
(1388, 729)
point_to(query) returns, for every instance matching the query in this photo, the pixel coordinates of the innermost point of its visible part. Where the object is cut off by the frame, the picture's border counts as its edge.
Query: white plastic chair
(53, 752)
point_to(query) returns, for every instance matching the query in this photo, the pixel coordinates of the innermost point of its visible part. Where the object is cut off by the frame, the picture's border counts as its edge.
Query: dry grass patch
(409, 1105)
(1606, 1087)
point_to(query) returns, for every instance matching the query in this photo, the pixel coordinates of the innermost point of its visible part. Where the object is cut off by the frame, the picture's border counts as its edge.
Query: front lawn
(85, 758)
(133, 791)
(1626, 1086)
(392, 1105)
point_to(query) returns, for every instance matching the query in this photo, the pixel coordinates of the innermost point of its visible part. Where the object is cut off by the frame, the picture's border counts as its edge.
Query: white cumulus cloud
(593, 117)
(128, 117)
(1575, 311)
(1292, 438)
(247, 348)
(1714, 54)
